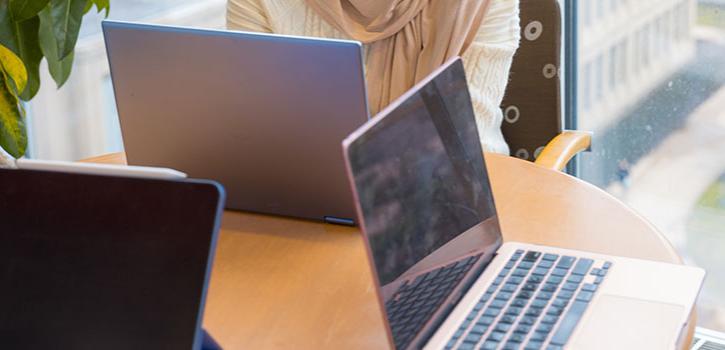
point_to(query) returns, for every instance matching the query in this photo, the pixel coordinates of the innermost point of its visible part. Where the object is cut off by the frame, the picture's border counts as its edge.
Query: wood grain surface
(286, 283)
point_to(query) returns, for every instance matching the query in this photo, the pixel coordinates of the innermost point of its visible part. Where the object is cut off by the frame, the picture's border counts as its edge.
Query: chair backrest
(531, 106)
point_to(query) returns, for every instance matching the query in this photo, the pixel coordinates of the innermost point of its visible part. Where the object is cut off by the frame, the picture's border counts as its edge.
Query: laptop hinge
(339, 221)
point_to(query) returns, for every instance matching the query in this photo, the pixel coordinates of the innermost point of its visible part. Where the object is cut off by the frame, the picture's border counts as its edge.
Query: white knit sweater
(487, 60)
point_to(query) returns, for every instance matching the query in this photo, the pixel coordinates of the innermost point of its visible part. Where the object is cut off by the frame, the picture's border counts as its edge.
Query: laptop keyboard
(414, 302)
(535, 302)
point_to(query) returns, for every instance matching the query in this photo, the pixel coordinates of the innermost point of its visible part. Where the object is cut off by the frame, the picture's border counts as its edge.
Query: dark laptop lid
(101, 262)
(419, 176)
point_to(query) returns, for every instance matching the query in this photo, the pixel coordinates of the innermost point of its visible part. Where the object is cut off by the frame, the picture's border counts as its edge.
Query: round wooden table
(286, 283)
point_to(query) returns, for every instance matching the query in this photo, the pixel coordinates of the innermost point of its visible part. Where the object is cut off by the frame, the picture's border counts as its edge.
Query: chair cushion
(531, 106)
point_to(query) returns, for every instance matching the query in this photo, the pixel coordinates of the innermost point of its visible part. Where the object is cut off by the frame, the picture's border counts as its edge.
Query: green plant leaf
(22, 39)
(24, 9)
(59, 68)
(12, 128)
(13, 137)
(103, 5)
(13, 66)
(31, 55)
(66, 16)
(22, 23)
(100, 6)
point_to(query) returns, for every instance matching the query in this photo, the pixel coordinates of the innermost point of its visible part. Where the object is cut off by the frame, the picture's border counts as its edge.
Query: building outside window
(659, 128)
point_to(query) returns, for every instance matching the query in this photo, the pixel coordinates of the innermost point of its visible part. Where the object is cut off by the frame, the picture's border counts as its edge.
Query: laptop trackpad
(617, 322)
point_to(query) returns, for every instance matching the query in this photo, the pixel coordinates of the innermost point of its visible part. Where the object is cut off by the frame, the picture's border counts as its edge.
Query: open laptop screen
(420, 177)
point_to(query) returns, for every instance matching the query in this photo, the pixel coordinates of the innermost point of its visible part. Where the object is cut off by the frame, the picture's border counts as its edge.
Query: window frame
(570, 74)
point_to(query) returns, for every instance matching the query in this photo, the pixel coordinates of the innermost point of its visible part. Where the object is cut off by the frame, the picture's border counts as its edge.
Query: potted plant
(31, 30)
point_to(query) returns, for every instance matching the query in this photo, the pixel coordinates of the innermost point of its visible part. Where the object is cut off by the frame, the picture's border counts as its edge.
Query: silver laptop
(445, 278)
(262, 114)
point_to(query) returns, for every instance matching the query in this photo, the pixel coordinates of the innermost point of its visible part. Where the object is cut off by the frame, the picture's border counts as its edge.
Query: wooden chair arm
(561, 149)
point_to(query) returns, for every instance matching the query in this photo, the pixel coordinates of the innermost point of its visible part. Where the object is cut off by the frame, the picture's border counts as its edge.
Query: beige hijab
(407, 39)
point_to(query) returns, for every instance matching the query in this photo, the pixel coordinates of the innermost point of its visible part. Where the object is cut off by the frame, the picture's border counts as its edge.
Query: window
(638, 49)
(586, 82)
(646, 48)
(612, 68)
(621, 66)
(598, 79)
(80, 119)
(654, 97)
(600, 10)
